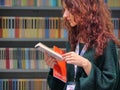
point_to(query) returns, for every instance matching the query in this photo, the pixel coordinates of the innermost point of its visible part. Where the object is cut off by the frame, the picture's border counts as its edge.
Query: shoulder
(110, 44)
(110, 49)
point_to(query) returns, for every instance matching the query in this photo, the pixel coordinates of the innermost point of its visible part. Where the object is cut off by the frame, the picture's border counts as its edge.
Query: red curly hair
(94, 24)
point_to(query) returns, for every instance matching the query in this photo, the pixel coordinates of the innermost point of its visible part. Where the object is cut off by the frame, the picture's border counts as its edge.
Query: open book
(44, 48)
(59, 69)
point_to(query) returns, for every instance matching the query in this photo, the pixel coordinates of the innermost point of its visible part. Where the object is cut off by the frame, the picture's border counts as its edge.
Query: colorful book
(19, 58)
(59, 70)
(27, 58)
(7, 59)
(10, 86)
(47, 31)
(12, 29)
(15, 60)
(23, 58)
(11, 57)
(53, 3)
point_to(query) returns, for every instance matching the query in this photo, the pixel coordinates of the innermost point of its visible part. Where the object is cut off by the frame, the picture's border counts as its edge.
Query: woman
(92, 62)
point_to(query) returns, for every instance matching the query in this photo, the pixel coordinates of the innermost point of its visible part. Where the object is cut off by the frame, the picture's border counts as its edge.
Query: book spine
(19, 58)
(1, 84)
(11, 57)
(7, 59)
(17, 27)
(47, 27)
(2, 2)
(1, 27)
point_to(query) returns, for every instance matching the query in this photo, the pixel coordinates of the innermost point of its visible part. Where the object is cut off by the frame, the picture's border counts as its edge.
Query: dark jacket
(103, 75)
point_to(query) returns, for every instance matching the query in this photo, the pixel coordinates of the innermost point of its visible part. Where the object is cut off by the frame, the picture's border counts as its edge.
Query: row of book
(32, 27)
(22, 58)
(52, 3)
(23, 84)
(39, 27)
(113, 3)
(33, 3)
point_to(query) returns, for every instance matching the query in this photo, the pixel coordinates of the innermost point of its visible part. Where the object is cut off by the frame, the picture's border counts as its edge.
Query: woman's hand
(73, 58)
(50, 61)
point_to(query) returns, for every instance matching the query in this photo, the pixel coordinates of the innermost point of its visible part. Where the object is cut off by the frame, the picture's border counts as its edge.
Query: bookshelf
(30, 42)
(18, 11)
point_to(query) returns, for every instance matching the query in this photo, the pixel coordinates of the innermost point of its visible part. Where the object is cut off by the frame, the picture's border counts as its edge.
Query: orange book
(8, 2)
(51, 27)
(30, 2)
(16, 27)
(58, 20)
(59, 70)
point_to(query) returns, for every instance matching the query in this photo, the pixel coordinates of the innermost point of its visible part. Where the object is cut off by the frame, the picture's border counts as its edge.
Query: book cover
(59, 70)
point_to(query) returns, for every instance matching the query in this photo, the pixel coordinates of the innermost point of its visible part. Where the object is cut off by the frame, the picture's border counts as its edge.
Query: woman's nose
(65, 14)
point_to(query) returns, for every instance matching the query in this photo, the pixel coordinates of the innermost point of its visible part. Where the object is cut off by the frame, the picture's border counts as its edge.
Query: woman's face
(68, 16)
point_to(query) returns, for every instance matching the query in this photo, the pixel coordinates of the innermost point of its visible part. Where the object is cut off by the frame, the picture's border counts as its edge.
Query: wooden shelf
(16, 75)
(31, 11)
(31, 42)
(42, 11)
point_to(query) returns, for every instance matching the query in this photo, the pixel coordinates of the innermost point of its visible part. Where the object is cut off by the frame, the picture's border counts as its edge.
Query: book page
(44, 48)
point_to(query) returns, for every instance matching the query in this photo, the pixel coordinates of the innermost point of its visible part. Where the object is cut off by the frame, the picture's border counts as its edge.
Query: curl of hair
(94, 25)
